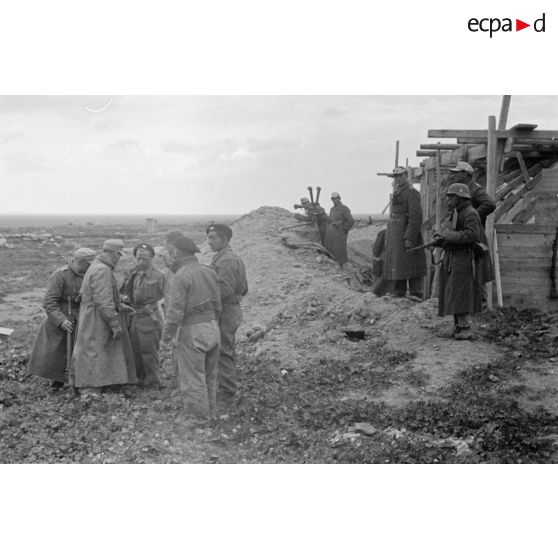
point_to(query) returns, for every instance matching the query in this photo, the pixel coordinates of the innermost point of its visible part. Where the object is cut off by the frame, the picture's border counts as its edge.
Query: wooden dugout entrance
(519, 168)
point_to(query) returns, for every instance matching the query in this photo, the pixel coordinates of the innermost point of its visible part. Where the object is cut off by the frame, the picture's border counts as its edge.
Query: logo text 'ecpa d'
(495, 24)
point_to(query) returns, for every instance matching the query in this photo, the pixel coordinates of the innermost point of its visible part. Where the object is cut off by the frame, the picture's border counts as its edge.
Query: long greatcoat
(48, 356)
(405, 222)
(461, 274)
(99, 360)
(144, 291)
(340, 223)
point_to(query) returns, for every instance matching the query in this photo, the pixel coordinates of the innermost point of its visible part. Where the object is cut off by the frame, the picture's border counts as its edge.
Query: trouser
(197, 357)
(462, 321)
(415, 286)
(382, 286)
(230, 321)
(149, 341)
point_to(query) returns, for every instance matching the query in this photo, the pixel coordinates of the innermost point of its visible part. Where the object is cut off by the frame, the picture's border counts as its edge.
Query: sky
(222, 154)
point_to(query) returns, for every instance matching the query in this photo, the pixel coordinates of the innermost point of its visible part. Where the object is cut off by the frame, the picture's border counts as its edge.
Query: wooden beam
(438, 190)
(504, 110)
(503, 145)
(491, 179)
(467, 141)
(425, 153)
(503, 207)
(527, 127)
(396, 153)
(498, 277)
(511, 133)
(522, 166)
(442, 146)
(516, 181)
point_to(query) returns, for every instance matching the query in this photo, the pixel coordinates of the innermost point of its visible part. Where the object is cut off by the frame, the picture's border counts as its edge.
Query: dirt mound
(302, 312)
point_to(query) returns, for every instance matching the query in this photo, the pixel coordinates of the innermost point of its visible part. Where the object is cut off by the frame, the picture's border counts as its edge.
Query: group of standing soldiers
(465, 266)
(97, 336)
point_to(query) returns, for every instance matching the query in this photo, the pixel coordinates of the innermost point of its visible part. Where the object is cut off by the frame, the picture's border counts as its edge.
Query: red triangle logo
(519, 25)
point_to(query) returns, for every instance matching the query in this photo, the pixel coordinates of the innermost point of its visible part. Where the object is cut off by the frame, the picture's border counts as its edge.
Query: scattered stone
(493, 378)
(462, 448)
(365, 428)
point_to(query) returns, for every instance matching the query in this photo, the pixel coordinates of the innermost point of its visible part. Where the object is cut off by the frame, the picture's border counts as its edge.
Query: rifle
(295, 226)
(553, 293)
(431, 244)
(69, 346)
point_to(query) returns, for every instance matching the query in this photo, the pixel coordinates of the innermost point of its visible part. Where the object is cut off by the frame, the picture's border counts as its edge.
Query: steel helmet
(459, 190)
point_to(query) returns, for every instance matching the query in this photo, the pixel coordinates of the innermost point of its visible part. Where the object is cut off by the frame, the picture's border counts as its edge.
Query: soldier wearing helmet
(481, 200)
(463, 271)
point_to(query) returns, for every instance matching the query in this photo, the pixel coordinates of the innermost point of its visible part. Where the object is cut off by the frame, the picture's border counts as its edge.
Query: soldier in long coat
(464, 267)
(403, 233)
(103, 352)
(233, 284)
(340, 223)
(143, 291)
(481, 200)
(48, 356)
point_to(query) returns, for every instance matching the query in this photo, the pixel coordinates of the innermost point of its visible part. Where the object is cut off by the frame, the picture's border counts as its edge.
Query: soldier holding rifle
(464, 264)
(56, 335)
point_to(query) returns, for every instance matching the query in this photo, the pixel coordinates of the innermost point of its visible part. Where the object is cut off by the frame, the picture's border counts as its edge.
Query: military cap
(85, 254)
(224, 231)
(147, 247)
(172, 236)
(114, 245)
(459, 190)
(185, 244)
(304, 200)
(463, 166)
(398, 170)
(335, 195)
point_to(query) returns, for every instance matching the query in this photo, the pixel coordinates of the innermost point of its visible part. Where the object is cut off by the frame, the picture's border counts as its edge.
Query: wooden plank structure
(519, 167)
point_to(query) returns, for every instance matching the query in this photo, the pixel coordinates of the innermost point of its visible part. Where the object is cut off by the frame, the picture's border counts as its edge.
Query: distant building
(150, 226)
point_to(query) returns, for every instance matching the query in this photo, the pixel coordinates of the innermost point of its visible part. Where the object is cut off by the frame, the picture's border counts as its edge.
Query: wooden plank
(511, 267)
(498, 277)
(549, 148)
(491, 179)
(525, 229)
(502, 122)
(440, 146)
(512, 213)
(511, 200)
(424, 153)
(514, 183)
(522, 166)
(527, 127)
(438, 189)
(527, 212)
(473, 140)
(504, 111)
(466, 153)
(511, 133)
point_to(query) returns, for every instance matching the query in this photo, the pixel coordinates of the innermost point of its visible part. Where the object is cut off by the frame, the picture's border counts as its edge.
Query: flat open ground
(401, 395)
